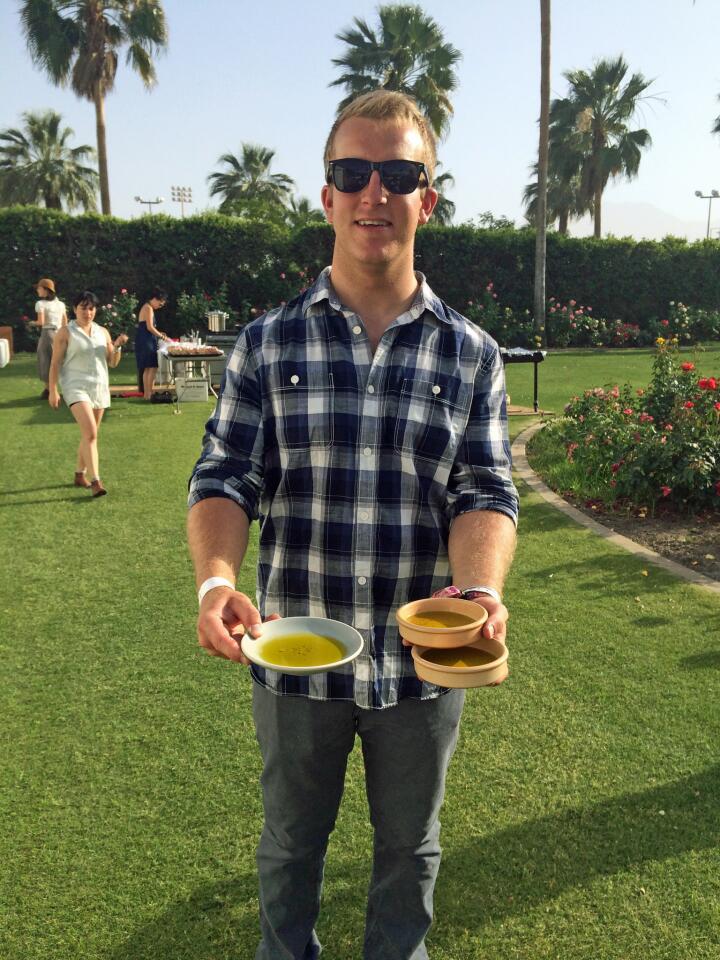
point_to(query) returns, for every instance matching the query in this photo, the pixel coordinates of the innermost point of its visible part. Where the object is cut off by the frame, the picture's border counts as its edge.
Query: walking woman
(146, 342)
(51, 316)
(81, 355)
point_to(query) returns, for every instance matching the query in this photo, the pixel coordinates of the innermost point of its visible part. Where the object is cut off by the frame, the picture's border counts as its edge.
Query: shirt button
(362, 581)
(436, 389)
(367, 451)
(357, 328)
(294, 378)
(364, 515)
(371, 389)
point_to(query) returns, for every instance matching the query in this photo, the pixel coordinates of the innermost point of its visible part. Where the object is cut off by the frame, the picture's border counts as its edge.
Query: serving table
(196, 361)
(520, 355)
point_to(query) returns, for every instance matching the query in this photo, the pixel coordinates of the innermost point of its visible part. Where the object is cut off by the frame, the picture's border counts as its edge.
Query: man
(364, 424)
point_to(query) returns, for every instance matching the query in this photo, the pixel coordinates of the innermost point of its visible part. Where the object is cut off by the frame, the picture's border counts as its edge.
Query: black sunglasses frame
(383, 168)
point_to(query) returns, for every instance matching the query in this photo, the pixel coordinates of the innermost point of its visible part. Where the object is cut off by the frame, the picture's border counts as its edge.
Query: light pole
(150, 203)
(709, 197)
(181, 195)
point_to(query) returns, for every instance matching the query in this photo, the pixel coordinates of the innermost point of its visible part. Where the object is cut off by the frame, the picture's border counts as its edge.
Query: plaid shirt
(355, 465)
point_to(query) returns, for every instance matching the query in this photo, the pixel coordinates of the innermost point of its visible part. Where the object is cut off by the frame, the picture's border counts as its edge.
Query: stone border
(523, 469)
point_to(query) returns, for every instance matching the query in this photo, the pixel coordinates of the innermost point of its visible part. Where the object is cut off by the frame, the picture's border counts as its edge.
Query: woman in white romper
(81, 355)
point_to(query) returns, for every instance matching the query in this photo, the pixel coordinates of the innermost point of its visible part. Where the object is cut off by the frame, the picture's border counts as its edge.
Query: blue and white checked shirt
(355, 465)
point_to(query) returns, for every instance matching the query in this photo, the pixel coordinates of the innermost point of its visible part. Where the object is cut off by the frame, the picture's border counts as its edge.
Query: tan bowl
(446, 636)
(480, 676)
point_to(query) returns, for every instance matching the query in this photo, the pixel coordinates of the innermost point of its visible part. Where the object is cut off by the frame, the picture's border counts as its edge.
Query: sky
(238, 71)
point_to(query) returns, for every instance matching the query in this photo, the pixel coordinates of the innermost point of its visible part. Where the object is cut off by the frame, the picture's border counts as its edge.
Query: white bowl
(347, 636)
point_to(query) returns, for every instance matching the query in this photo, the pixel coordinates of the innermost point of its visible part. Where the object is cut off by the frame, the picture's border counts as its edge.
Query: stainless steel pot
(216, 321)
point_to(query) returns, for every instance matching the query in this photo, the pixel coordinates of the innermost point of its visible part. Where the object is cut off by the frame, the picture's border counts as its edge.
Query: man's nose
(375, 192)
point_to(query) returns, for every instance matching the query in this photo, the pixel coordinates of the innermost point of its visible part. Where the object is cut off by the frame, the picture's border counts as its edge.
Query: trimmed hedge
(619, 278)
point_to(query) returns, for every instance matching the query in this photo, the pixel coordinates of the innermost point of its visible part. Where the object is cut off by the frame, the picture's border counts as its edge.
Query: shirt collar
(323, 290)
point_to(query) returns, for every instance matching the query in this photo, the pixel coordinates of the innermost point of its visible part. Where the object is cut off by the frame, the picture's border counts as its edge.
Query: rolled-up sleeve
(481, 478)
(231, 462)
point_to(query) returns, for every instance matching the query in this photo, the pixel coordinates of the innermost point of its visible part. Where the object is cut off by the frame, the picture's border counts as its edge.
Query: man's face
(374, 226)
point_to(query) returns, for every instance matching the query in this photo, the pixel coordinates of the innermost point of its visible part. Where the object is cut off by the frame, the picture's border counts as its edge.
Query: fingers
(225, 615)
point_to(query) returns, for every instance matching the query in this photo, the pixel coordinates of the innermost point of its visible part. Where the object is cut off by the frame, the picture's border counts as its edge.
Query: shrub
(645, 446)
(120, 315)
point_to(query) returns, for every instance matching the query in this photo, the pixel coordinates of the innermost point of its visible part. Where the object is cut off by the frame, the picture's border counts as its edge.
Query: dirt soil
(692, 541)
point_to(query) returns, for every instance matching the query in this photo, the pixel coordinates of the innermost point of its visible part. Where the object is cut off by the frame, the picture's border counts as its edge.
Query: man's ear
(326, 196)
(430, 198)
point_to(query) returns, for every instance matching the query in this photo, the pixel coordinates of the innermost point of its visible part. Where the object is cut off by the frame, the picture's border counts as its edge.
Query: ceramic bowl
(347, 636)
(441, 636)
(449, 676)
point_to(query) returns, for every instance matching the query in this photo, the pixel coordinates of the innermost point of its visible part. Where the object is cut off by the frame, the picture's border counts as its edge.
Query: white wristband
(488, 591)
(207, 585)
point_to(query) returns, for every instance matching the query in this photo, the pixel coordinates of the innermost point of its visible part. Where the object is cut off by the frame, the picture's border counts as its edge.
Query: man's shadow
(497, 875)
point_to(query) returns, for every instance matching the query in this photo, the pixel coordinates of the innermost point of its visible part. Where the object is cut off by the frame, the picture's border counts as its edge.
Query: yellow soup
(440, 620)
(459, 657)
(302, 650)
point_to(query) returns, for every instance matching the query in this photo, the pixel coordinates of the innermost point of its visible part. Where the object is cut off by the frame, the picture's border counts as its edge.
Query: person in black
(146, 342)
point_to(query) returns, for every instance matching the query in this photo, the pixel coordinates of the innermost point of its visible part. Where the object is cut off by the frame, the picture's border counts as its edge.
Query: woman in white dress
(81, 355)
(51, 317)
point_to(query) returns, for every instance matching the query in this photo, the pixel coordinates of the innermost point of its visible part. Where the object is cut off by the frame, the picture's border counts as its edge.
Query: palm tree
(593, 120)
(716, 125)
(78, 41)
(444, 208)
(38, 165)
(248, 181)
(563, 203)
(409, 55)
(542, 171)
(301, 212)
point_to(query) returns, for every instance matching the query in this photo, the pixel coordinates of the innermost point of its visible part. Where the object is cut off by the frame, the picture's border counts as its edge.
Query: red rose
(666, 491)
(688, 404)
(687, 366)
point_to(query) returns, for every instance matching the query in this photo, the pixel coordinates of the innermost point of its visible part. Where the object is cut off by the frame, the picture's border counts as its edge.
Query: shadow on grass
(495, 876)
(516, 869)
(700, 661)
(56, 486)
(211, 923)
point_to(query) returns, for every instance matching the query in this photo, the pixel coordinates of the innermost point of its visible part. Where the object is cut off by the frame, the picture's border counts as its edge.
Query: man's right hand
(225, 615)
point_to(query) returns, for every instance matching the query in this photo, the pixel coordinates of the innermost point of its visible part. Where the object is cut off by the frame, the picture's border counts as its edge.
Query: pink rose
(666, 491)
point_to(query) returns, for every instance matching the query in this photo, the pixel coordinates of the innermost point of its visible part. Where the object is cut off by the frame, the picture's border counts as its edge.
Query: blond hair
(389, 106)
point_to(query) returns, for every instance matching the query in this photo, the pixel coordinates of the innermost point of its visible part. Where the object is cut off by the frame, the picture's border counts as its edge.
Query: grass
(581, 816)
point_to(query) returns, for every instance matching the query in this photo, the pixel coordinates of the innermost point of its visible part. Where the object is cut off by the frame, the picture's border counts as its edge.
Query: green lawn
(582, 806)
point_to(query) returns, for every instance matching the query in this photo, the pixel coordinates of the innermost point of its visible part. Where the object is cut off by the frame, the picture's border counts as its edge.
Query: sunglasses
(351, 174)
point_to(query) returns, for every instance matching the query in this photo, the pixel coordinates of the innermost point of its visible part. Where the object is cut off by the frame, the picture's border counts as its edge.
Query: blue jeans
(305, 745)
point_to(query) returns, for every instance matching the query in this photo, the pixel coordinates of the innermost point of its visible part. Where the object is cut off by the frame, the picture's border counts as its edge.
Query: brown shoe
(80, 479)
(98, 490)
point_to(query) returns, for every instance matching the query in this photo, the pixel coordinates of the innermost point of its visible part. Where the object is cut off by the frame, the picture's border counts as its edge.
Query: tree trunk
(541, 214)
(597, 213)
(102, 151)
(563, 220)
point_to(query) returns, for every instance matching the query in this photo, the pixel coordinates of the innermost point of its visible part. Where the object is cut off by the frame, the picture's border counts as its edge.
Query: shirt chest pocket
(303, 406)
(431, 417)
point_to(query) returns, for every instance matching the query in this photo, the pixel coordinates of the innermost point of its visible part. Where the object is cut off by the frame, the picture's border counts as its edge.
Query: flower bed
(642, 447)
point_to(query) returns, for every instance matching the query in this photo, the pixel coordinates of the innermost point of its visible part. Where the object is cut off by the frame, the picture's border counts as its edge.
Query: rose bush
(644, 446)
(120, 315)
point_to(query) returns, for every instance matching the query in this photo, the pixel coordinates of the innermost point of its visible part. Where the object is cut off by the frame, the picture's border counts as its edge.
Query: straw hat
(47, 283)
